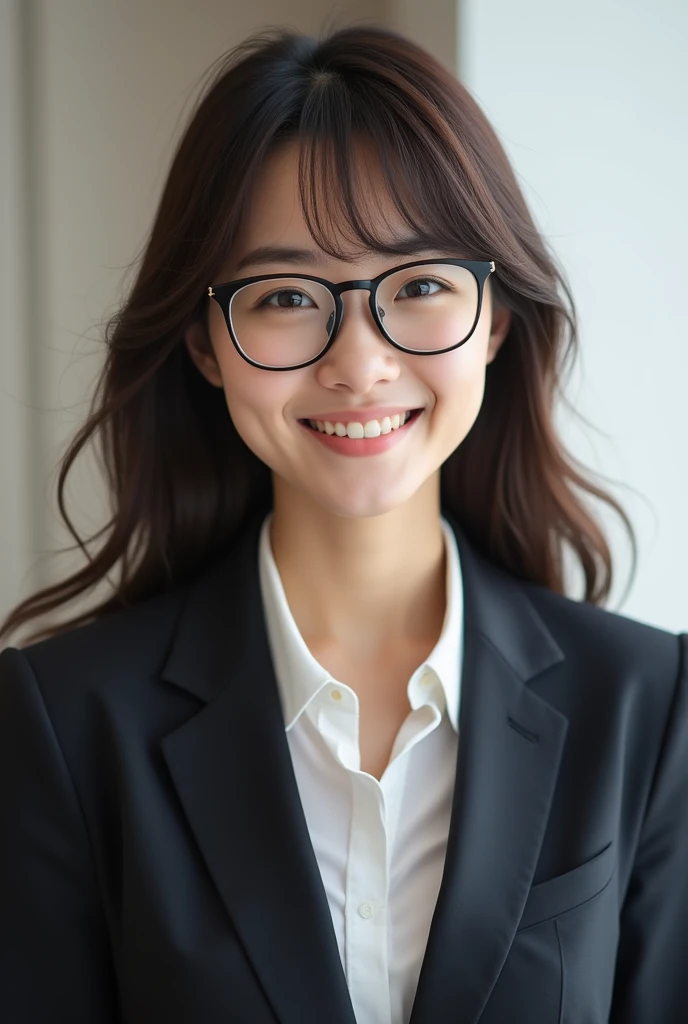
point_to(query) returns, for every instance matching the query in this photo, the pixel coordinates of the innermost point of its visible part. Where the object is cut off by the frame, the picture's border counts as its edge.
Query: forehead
(274, 214)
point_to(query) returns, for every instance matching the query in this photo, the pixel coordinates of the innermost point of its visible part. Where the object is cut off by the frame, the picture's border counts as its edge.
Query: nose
(360, 355)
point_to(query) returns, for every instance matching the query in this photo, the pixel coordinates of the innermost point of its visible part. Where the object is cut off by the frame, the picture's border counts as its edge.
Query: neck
(365, 583)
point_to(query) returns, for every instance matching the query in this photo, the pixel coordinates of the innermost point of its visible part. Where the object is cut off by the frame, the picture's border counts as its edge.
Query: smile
(357, 438)
(355, 429)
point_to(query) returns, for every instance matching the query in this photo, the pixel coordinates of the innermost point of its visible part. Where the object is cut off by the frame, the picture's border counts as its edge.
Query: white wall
(590, 101)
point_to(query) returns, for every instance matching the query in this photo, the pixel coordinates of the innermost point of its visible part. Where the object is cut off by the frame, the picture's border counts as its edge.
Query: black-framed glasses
(288, 321)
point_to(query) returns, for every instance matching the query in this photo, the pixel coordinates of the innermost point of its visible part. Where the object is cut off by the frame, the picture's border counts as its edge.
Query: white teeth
(356, 430)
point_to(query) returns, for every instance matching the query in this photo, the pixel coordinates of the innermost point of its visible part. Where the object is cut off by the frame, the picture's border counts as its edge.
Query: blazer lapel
(233, 772)
(510, 747)
(231, 766)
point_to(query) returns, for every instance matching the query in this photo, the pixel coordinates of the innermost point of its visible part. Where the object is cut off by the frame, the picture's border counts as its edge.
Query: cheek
(256, 400)
(458, 382)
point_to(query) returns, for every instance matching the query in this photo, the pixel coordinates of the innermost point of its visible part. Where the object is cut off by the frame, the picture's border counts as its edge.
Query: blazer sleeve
(55, 961)
(651, 980)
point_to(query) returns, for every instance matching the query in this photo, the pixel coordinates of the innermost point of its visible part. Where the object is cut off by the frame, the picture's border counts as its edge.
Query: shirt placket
(366, 910)
(367, 876)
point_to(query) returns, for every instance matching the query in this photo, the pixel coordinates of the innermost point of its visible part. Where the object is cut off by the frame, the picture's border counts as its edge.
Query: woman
(339, 747)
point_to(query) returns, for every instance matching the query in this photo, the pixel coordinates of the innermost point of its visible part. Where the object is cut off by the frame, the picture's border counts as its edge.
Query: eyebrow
(264, 254)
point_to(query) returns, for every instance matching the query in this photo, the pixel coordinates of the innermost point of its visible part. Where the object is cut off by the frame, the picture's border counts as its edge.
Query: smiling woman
(360, 144)
(404, 335)
(339, 747)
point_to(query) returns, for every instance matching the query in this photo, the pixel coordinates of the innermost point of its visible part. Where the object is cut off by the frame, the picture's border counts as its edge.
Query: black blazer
(155, 863)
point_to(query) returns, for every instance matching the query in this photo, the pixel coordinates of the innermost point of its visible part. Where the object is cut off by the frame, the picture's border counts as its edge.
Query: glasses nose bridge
(353, 286)
(356, 286)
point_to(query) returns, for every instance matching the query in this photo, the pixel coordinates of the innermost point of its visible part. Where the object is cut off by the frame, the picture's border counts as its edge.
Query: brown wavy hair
(181, 482)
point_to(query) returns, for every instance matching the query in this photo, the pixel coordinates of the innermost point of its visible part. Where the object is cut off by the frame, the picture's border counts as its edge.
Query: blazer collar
(232, 769)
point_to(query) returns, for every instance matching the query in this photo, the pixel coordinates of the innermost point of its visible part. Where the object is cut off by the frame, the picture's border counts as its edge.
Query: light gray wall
(93, 97)
(433, 24)
(16, 526)
(590, 102)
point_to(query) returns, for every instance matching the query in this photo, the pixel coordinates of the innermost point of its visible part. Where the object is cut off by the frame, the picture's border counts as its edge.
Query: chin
(363, 505)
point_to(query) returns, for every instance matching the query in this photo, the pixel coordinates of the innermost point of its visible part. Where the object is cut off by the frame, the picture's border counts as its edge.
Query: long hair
(182, 483)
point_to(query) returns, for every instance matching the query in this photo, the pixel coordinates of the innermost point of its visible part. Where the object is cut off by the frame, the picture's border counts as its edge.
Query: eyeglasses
(288, 321)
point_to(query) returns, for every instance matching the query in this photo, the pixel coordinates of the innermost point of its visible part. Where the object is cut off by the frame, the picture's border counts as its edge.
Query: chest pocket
(557, 895)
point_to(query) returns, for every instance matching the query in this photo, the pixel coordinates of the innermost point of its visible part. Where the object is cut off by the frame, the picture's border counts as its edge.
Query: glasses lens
(282, 321)
(430, 307)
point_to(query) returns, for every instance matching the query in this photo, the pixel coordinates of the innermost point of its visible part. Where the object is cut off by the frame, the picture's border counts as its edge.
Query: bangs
(364, 152)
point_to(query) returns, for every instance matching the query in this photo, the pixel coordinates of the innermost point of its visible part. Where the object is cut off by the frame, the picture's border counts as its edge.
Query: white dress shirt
(380, 846)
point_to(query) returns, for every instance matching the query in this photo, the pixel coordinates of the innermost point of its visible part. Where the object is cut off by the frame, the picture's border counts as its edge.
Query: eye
(421, 286)
(288, 298)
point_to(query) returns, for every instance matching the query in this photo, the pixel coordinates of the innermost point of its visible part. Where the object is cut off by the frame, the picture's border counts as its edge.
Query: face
(360, 371)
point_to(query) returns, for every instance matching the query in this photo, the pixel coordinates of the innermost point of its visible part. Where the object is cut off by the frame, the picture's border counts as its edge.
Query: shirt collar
(299, 676)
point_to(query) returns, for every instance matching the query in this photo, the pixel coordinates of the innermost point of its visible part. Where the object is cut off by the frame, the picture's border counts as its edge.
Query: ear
(201, 352)
(501, 322)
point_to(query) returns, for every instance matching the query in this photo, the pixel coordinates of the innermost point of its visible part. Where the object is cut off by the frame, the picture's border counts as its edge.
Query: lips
(357, 447)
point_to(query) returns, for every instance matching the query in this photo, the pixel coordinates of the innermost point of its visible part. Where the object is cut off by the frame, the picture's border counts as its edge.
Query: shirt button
(336, 694)
(366, 910)
(427, 679)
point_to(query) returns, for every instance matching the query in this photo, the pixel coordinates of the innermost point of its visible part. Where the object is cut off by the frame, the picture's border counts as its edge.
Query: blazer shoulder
(623, 646)
(101, 655)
